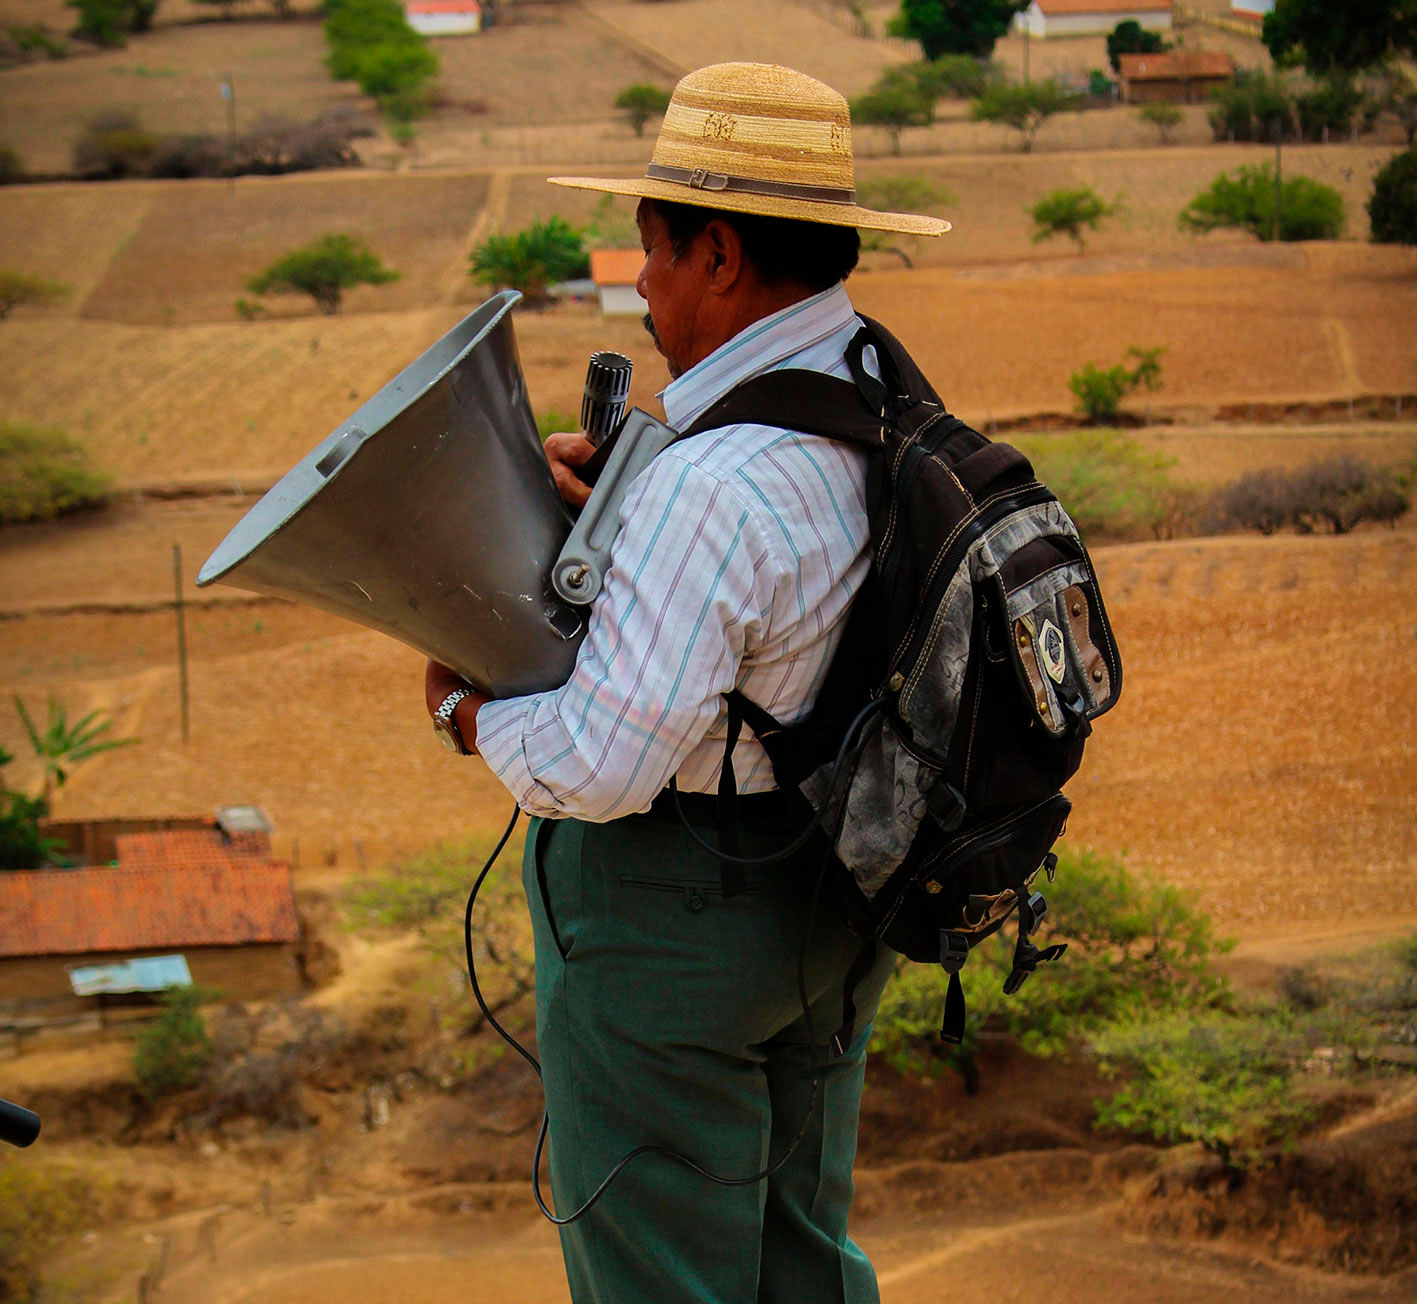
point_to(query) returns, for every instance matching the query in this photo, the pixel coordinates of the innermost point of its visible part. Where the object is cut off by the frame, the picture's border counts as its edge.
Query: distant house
(1046, 18)
(1252, 10)
(615, 272)
(1176, 77)
(443, 17)
(80, 943)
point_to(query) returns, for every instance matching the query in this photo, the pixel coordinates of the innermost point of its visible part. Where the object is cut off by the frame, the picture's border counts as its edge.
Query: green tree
(907, 193)
(532, 260)
(1392, 208)
(1309, 210)
(1147, 372)
(22, 845)
(955, 26)
(173, 1051)
(43, 474)
(1327, 36)
(1164, 117)
(104, 22)
(17, 288)
(1130, 37)
(960, 76)
(1023, 106)
(641, 102)
(894, 106)
(63, 744)
(1068, 212)
(324, 269)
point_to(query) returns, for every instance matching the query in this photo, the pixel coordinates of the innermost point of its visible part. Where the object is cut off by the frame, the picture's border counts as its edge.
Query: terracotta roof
(1176, 65)
(177, 848)
(79, 911)
(1102, 6)
(616, 266)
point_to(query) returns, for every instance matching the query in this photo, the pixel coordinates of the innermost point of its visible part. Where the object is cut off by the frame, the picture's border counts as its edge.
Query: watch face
(446, 736)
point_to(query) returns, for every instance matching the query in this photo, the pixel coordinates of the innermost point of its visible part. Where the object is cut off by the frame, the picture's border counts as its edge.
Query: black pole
(18, 1126)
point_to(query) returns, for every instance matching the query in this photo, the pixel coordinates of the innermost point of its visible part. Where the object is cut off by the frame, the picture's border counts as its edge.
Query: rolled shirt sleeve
(688, 592)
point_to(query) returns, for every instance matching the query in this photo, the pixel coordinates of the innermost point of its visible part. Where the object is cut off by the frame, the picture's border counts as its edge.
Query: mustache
(648, 323)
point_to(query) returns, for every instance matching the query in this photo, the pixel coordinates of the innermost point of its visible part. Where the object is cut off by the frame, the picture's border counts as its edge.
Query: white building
(615, 272)
(443, 17)
(1091, 17)
(1253, 9)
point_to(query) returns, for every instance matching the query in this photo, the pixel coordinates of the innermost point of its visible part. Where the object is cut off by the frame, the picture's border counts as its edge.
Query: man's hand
(440, 680)
(567, 452)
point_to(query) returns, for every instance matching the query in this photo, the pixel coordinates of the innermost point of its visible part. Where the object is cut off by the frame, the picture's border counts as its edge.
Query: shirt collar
(766, 344)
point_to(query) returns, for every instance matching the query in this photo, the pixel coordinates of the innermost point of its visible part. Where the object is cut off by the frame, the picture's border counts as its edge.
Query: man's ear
(723, 251)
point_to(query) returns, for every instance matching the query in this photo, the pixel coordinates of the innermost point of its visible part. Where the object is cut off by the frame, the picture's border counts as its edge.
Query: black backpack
(973, 662)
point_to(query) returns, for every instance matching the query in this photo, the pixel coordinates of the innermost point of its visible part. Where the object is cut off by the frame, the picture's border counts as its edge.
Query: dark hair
(781, 249)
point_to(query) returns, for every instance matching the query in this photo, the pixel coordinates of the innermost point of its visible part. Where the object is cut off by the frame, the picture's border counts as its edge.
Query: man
(669, 1012)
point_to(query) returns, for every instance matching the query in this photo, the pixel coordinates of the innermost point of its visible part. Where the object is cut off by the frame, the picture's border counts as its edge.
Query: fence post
(181, 610)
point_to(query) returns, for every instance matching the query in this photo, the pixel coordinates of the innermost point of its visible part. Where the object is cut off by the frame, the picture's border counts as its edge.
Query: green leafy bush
(958, 76)
(39, 1206)
(173, 1051)
(35, 39)
(1110, 484)
(114, 145)
(371, 43)
(532, 260)
(1331, 105)
(22, 845)
(18, 288)
(1164, 117)
(1099, 390)
(1024, 106)
(1255, 106)
(1392, 209)
(324, 269)
(942, 27)
(104, 22)
(44, 473)
(1309, 210)
(1068, 211)
(1210, 1077)
(1135, 948)
(12, 167)
(642, 102)
(893, 105)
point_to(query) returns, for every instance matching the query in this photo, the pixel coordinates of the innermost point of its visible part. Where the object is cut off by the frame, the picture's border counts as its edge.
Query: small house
(615, 272)
(79, 945)
(443, 17)
(1253, 11)
(1044, 18)
(1175, 77)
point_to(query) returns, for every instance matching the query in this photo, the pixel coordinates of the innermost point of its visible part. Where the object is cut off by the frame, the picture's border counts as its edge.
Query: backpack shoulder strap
(796, 399)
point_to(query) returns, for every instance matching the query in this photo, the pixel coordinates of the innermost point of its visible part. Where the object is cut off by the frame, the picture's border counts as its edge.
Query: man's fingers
(565, 452)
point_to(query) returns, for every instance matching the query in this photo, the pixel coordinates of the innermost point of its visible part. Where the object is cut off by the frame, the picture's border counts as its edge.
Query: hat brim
(801, 210)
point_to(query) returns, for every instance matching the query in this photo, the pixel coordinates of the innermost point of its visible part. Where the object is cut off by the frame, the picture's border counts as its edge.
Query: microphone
(18, 1125)
(607, 388)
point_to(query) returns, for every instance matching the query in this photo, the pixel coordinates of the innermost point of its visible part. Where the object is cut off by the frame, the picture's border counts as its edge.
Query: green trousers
(670, 1015)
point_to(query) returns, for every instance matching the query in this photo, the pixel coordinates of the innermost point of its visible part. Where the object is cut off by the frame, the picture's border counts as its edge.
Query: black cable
(862, 716)
(813, 1048)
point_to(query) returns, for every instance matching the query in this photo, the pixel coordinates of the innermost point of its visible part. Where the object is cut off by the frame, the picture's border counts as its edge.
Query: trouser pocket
(551, 877)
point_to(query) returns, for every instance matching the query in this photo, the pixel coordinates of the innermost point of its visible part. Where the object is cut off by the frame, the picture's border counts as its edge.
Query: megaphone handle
(18, 1126)
(590, 469)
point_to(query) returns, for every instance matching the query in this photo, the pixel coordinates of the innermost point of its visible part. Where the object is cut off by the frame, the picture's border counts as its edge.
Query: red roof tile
(616, 266)
(1176, 65)
(174, 848)
(1103, 6)
(77, 911)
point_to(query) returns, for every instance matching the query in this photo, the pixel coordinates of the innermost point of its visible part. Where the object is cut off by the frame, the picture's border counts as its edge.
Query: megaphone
(430, 515)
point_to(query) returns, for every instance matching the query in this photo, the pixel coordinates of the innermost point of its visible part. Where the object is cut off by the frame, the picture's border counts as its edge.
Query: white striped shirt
(737, 556)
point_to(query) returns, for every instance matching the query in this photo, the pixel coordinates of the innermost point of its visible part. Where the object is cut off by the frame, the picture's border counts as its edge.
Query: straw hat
(758, 138)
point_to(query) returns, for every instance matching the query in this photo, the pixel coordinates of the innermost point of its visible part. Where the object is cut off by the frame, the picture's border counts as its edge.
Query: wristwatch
(446, 727)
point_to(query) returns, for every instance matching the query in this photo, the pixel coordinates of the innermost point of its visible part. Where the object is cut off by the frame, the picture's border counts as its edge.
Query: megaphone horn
(430, 515)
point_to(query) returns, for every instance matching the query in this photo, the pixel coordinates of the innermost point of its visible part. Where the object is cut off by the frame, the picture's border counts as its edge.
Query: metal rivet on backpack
(1097, 675)
(933, 887)
(694, 902)
(1023, 641)
(1077, 608)
(897, 682)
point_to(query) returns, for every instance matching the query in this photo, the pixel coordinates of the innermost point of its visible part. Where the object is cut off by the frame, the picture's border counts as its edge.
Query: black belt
(753, 809)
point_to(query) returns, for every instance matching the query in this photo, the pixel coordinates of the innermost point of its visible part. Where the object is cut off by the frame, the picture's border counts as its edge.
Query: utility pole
(1278, 178)
(181, 610)
(228, 93)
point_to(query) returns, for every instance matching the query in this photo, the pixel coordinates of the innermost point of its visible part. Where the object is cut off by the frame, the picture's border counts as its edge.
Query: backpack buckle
(954, 950)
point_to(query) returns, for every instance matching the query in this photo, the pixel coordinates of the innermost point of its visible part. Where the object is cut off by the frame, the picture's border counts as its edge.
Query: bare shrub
(188, 156)
(114, 145)
(1328, 496)
(277, 145)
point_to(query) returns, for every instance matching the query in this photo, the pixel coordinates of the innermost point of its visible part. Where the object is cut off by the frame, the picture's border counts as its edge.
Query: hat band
(700, 179)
